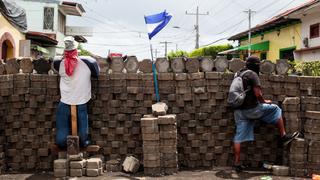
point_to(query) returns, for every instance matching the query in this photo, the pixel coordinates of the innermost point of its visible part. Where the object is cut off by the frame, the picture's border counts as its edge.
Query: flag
(157, 22)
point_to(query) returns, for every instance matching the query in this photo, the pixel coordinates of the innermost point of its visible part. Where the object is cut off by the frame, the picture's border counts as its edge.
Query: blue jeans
(63, 124)
(244, 120)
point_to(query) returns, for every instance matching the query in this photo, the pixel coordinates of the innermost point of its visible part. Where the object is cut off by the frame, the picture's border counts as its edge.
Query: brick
(149, 122)
(59, 173)
(131, 164)
(167, 119)
(166, 76)
(78, 164)
(92, 172)
(195, 76)
(159, 109)
(213, 75)
(76, 172)
(60, 164)
(150, 137)
(94, 163)
(280, 170)
(75, 157)
(181, 76)
(73, 146)
(152, 164)
(43, 152)
(313, 115)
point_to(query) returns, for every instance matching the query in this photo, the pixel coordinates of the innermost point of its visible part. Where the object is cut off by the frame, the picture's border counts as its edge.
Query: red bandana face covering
(70, 61)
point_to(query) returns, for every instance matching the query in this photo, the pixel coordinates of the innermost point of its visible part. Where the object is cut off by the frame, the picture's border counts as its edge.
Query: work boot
(286, 139)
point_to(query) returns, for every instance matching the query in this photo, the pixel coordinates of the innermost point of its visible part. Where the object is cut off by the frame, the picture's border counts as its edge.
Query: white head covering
(70, 43)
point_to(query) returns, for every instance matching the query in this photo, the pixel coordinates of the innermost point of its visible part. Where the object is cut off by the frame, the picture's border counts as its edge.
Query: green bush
(307, 68)
(206, 51)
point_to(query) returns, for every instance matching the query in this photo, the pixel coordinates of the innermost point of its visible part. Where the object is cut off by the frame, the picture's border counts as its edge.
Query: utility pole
(155, 51)
(165, 47)
(176, 47)
(249, 34)
(197, 24)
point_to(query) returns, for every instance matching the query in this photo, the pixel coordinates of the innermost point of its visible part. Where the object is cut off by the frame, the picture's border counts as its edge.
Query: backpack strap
(241, 75)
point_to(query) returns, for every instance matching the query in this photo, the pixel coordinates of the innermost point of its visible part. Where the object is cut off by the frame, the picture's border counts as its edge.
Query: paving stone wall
(205, 124)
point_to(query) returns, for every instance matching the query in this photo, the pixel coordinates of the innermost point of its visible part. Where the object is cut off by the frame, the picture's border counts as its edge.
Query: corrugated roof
(276, 20)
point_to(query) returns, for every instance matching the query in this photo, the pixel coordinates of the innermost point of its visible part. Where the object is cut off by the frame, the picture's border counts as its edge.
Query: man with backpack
(246, 98)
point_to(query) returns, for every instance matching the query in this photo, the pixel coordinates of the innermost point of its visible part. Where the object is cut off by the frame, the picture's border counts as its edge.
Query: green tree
(173, 54)
(206, 51)
(83, 52)
(210, 51)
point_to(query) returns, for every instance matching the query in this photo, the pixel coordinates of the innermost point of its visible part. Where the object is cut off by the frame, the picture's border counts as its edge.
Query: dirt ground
(214, 174)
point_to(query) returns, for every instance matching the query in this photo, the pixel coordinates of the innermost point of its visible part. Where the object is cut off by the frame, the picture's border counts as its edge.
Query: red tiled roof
(280, 18)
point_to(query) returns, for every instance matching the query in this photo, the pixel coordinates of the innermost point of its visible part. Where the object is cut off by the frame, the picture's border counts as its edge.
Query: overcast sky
(119, 26)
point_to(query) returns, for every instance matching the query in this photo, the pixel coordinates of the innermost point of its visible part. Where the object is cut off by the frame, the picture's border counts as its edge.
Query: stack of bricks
(94, 167)
(168, 144)
(298, 157)
(151, 145)
(77, 167)
(291, 113)
(159, 134)
(61, 168)
(312, 134)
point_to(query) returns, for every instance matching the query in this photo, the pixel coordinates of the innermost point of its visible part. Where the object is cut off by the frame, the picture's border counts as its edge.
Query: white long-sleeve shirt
(76, 89)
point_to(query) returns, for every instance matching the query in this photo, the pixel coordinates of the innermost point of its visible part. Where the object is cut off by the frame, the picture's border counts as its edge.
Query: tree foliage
(206, 51)
(83, 52)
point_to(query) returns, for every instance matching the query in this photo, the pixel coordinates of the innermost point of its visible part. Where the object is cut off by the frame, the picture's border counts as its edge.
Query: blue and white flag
(157, 22)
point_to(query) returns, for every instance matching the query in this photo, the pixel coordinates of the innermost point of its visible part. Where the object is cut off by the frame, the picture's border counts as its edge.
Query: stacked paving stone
(61, 168)
(77, 167)
(29, 120)
(204, 121)
(159, 134)
(94, 167)
(168, 144)
(118, 104)
(151, 145)
(298, 157)
(312, 134)
(291, 113)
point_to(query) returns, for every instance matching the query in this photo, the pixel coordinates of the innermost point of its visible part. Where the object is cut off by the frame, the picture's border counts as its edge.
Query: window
(48, 16)
(314, 31)
(263, 56)
(61, 22)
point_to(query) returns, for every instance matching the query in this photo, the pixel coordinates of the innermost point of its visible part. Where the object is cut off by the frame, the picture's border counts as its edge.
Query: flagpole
(155, 79)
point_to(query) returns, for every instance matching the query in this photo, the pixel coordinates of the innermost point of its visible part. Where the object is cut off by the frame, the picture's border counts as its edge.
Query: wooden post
(74, 124)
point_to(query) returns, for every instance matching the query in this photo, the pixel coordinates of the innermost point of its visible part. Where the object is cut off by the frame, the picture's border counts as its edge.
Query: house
(47, 24)
(276, 38)
(310, 32)
(11, 30)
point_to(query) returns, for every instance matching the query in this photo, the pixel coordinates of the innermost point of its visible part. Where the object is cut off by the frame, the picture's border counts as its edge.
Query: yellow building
(274, 39)
(10, 37)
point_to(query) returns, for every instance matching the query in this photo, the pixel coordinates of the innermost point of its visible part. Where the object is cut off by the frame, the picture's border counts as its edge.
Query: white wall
(34, 12)
(308, 56)
(308, 20)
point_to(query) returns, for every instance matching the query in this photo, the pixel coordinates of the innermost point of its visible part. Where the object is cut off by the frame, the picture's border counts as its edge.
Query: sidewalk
(215, 174)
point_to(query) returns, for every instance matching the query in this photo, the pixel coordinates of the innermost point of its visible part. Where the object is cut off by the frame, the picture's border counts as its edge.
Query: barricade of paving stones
(30, 102)
(205, 124)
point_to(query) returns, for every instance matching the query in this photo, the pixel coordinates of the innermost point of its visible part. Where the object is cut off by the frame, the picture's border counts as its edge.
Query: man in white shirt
(75, 88)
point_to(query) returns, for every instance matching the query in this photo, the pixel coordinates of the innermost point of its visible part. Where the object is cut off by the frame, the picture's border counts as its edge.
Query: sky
(119, 27)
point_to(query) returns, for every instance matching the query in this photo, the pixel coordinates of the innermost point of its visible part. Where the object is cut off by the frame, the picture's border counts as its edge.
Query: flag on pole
(155, 23)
